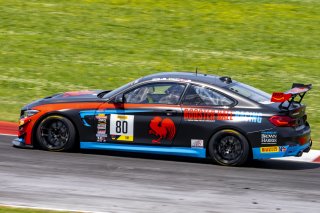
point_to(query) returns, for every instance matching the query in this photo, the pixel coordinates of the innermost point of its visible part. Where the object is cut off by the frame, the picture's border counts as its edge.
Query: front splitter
(18, 142)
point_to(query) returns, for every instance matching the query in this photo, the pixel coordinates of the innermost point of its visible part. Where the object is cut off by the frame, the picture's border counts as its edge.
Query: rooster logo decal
(162, 128)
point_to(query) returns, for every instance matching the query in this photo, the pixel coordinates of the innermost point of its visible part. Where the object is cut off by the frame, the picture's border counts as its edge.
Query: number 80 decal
(121, 127)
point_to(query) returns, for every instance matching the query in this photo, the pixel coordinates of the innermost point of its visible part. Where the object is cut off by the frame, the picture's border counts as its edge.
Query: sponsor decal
(269, 137)
(195, 114)
(196, 143)
(101, 128)
(102, 135)
(269, 149)
(122, 137)
(101, 118)
(280, 97)
(121, 127)
(282, 149)
(273, 149)
(253, 117)
(162, 129)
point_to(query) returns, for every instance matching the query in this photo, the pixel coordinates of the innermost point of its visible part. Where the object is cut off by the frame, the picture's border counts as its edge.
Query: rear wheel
(56, 133)
(229, 148)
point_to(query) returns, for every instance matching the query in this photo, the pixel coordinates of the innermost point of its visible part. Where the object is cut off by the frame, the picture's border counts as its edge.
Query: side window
(202, 96)
(159, 93)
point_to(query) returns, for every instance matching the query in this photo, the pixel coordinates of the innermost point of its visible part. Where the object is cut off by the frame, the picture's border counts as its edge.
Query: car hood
(67, 97)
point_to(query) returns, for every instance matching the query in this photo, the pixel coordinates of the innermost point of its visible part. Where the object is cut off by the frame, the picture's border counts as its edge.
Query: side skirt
(176, 151)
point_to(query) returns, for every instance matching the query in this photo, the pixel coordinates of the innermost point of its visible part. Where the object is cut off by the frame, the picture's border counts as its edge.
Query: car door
(204, 110)
(146, 114)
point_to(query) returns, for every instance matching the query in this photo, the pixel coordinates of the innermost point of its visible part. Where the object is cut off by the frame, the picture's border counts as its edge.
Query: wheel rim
(229, 148)
(54, 134)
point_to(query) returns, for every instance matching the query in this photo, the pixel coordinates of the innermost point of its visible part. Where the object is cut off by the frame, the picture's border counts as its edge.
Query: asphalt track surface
(119, 182)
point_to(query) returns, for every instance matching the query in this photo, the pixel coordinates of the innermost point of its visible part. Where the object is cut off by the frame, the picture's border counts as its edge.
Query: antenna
(196, 70)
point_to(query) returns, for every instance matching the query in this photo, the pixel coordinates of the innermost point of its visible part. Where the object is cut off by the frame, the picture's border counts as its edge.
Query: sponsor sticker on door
(102, 128)
(196, 143)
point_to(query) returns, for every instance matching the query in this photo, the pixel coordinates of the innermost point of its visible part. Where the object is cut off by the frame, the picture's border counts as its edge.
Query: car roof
(186, 76)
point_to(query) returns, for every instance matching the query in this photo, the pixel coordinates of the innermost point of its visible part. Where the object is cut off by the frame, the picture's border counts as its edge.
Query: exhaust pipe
(308, 148)
(299, 154)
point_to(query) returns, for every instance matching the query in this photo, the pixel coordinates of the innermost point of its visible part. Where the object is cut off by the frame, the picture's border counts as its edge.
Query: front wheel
(56, 133)
(229, 148)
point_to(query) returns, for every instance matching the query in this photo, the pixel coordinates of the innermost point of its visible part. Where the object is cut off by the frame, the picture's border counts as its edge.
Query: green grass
(5, 209)
(52, 46)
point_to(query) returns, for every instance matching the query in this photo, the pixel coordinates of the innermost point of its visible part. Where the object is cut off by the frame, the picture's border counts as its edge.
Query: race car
(173, 113)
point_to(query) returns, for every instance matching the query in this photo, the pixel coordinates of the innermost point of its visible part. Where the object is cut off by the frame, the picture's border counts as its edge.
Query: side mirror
(119, 99)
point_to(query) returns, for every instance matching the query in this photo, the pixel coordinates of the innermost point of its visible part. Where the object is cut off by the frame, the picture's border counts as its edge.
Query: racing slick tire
(56, 133)
(229, 148)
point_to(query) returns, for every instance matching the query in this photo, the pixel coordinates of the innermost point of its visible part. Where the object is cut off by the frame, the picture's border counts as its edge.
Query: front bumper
(281, 151)
(19, 142)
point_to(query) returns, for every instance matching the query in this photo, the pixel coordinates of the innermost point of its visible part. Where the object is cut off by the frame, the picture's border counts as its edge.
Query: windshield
(250, 92)
(113, 92)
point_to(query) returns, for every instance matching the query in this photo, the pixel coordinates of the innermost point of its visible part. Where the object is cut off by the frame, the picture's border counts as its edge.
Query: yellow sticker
(269, 149)
(122, 117)
(125, 138)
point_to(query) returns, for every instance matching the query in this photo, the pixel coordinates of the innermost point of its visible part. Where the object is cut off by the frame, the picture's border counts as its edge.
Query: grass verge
(8, 209)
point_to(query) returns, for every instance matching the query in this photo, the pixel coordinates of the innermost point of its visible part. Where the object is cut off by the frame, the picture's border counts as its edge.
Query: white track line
(8, 134)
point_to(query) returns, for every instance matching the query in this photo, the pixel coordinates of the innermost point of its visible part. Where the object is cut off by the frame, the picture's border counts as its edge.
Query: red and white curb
(8, 128)
(11, 129)
(311, 156)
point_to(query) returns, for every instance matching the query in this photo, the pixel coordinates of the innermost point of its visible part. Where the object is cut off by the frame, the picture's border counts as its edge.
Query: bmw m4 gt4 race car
(176, 113)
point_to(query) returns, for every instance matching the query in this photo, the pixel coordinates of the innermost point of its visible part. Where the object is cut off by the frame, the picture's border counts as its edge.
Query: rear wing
(297, 90)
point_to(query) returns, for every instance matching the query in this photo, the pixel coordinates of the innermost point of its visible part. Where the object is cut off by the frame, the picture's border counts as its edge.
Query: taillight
(284, 121)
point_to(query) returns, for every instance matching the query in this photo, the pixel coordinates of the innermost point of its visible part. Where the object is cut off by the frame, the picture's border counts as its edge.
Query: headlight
(28, 113)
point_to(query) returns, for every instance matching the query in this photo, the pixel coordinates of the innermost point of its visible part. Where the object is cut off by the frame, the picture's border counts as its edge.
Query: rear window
(250, 92)
(202, 96)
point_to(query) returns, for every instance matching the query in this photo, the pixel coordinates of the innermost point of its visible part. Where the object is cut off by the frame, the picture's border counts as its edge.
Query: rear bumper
(281, 151)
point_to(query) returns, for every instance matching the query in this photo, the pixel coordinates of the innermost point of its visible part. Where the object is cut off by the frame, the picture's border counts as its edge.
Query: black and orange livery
(176, 113)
